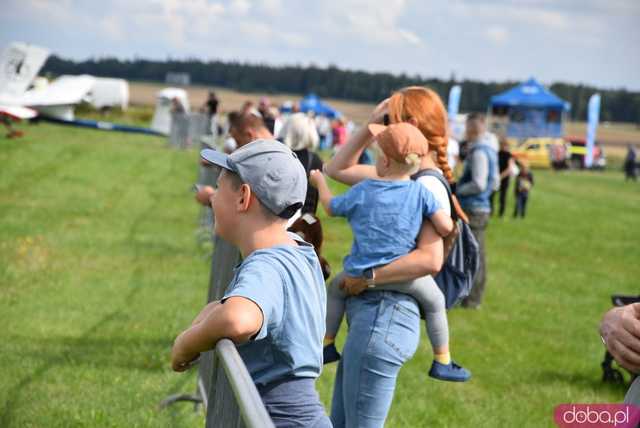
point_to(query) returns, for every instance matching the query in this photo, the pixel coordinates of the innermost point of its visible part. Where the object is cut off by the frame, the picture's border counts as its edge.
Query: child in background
(524, 183)
(386, 216)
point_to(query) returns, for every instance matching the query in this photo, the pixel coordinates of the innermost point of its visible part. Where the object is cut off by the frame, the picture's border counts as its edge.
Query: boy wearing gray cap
(274, 308)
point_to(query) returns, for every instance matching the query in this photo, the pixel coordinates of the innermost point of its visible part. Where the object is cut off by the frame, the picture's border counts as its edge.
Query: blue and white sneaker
(450, 372)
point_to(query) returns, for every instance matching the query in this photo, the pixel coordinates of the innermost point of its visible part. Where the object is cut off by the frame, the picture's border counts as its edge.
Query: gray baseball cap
(271, 169)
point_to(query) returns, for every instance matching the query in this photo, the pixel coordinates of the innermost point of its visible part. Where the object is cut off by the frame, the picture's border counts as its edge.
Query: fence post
(179, 129)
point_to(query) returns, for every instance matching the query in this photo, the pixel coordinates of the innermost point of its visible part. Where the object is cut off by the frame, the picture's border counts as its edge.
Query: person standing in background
(211, 109)
(300, 135)
(630, 166)
(524, 183)
(506, 164)
(479, 179)
(323, 126)
(339, 133)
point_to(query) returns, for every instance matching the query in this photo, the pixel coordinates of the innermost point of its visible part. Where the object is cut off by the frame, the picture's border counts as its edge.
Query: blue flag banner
(454, 102)
(592, 125)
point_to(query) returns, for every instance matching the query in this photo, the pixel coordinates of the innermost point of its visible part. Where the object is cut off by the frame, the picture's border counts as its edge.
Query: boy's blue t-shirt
(286, 282)
(386, 217)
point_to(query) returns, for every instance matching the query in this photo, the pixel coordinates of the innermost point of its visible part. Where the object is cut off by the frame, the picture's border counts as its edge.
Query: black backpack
(455, 279)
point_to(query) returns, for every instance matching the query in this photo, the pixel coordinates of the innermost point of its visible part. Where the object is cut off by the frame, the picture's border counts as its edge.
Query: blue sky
(596, 42)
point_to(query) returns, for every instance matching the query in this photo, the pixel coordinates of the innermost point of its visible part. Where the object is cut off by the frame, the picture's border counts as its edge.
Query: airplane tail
(19, 65)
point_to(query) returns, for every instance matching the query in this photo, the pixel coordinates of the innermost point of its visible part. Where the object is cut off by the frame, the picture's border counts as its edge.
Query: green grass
(134, 115)
(100, 268)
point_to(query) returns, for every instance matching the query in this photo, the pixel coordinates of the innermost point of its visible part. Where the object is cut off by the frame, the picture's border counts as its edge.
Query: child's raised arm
(442, 222)
(317, 180)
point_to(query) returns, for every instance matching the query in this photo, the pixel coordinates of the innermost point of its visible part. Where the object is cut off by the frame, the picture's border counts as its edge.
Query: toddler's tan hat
(399, 140)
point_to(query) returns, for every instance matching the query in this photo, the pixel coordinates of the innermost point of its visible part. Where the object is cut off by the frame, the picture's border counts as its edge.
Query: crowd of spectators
(385, 286)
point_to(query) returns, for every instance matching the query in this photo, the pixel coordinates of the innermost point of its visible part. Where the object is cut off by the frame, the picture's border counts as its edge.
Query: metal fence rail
(237, 401)
(187, 129)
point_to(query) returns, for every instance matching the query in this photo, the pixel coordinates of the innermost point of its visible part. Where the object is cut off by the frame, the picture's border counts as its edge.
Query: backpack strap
(428, 172)
(309, 160)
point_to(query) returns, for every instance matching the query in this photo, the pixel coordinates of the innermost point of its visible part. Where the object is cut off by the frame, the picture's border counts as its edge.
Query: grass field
(100, 268)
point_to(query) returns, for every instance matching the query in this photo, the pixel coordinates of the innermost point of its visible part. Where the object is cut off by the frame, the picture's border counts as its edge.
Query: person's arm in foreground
(205, 311)
(620, 331)
(317, 180)
(237, 319)
(426, 259)
(344, 166)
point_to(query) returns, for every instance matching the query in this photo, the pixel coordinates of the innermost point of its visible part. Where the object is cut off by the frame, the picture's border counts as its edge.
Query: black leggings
(504, 187)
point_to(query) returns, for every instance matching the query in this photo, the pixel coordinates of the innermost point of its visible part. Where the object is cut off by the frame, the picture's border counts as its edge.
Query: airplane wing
(65, 90)
(18, 113)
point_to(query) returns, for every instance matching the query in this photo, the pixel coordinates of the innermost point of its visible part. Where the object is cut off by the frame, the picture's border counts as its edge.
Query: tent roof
(529, 94)
(312, 103)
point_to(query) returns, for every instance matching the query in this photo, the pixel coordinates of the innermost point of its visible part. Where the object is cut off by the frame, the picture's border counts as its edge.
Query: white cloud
(514, 13)
(409, 37)
(264, 34)
(498, 35)
(112, 27)
(295, 40)
(61, 11)
(272, 7)
(240, 7)
(371, 22)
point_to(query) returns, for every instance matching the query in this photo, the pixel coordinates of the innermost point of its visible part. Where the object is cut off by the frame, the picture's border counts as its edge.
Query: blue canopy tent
(529, 110)
(312, 103)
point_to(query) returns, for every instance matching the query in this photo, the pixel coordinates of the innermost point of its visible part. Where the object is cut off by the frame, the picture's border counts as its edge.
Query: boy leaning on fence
(274, 308)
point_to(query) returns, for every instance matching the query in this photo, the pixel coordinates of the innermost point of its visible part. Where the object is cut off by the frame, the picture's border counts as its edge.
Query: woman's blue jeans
(384, 332)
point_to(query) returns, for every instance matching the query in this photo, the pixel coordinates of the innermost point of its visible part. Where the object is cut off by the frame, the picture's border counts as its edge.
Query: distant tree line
(617, 105)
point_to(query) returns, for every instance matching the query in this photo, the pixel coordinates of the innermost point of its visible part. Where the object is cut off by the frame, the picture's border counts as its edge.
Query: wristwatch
(369, 277)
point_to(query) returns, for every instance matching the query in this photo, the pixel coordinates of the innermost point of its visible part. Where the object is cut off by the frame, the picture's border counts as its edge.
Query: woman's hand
(378, 113)
(353, 285)
(316, 177)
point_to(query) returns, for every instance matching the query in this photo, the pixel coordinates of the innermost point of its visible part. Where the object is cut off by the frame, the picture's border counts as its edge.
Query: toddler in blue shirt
(386, 216)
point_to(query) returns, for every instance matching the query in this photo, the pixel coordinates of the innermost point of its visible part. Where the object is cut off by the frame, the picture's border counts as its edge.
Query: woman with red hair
(384, 324)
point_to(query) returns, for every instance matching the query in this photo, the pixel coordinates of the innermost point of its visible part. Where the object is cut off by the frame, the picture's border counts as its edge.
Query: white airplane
(19, 66)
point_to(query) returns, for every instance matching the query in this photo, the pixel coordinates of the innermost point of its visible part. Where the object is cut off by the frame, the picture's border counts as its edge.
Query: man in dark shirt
(630, 166)
(505, 164)
(212, 104)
